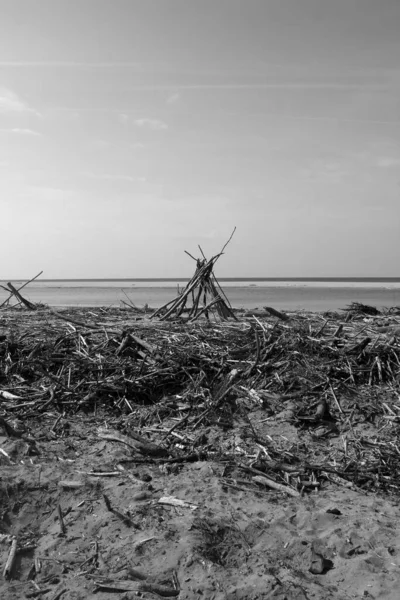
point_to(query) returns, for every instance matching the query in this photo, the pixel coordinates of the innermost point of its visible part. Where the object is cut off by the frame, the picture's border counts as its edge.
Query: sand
(220, 537)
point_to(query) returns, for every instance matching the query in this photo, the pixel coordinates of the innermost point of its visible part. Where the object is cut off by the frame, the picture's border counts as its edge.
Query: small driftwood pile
(204, 294)
(16, 294)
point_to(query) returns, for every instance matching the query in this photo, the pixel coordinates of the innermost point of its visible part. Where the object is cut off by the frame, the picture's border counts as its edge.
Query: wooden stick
(61, 519)
(276, 313)
(136, 586)
(71, 485)
(227, 303)
(204, 309)
(231, 236)
(250, 370)
(11, 558)
(124, 518)
(188, 253)
(196, 279)
(16, 293)
(276, 486)
(136, 443)
(195, 302)
(335, 398)
(172, 501)
(177, 301)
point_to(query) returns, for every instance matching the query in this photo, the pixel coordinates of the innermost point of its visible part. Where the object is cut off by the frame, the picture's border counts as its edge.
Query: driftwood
(276, 313)
(357, 308)
(275, 486)
(172, 501)
(202, 295)
(175, 381)
(135, 442)
(205, 292)
(20, 298)
(7, 573)
(136, 586)
(12, 289)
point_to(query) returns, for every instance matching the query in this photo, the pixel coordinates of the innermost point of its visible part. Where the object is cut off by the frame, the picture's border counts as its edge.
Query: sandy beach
(316, 296)
(244, 459)
(199, 300)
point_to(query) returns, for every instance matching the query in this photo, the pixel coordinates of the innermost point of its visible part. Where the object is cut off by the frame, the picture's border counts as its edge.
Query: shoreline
(289, 298)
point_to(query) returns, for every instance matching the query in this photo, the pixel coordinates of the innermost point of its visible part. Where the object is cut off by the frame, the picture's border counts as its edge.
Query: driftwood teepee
(202, 295)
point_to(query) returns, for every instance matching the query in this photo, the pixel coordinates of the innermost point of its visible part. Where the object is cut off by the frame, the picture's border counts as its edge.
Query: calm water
(315, 295)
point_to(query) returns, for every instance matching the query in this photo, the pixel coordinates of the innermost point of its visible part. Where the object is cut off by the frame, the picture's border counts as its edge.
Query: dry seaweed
(169, 381)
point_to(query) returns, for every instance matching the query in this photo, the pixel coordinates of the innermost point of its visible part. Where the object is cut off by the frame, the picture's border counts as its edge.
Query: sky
(133, 130)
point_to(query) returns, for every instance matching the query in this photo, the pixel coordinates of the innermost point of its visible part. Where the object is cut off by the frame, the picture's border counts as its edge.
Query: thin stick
(232, 234)
(132, 304)
(335, 398)
(228, 304)
(188, 253)
(61, 519)
(204, 309)
(276, 486)
(176, 302)
(10, 560)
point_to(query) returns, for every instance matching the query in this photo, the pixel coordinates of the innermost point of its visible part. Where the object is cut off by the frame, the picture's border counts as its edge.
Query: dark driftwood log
(136, 442)
(137, 586)
(276, 313)
(358, 348)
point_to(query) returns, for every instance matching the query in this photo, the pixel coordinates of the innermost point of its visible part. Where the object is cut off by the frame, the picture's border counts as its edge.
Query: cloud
(21, 131)
(108, 177)
(11, 103)
(111, 177)
(71, 64)
(137, 145)
(270, 85)
(386, 162)
(323, 171)
(99, 144)
(174, 98)
(24, 131)
(153, 124)
(123, 118)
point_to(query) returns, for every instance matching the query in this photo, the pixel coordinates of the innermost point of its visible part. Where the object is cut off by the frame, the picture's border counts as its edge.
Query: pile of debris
(326, 377)
(125, 428)
(201, 297)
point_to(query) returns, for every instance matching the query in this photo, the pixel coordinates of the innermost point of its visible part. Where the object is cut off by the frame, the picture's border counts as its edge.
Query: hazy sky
(131, 130)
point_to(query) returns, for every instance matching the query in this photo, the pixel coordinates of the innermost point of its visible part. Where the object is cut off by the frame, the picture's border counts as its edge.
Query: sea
(308, 294)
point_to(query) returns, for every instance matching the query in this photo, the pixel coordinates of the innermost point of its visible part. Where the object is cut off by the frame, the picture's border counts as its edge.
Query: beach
(254, 457)
(317, 295)
(199, 300)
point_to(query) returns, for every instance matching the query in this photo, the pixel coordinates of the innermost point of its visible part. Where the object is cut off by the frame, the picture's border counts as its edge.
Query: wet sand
(289, 297)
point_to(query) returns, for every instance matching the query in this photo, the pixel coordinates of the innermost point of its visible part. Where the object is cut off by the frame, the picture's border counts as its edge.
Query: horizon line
(179, 279)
